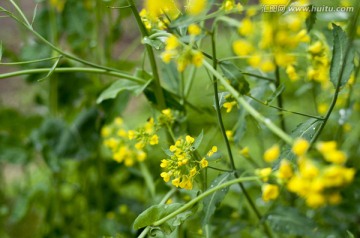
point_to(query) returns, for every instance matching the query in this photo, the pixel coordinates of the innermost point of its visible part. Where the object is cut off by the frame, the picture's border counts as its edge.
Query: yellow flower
(212, 151)
(322, 108)
(157, 8)
(176, 182)
(255, 60)
(274, 2)
(204, 163)
(270, 192)
(119, 121)
(300, 147)
(229, 106)
(111, 143)
(230, 135)
(164, 163)
(122, 133)
(141, 156)
(189, 139)
(194, 29)
(336, 156)
(193, 172)
(172, 43)
(154, 140)
(291, 72)
(165, 176)
(58, 4)
(316, 48)
(315, 200)
(264, 173)
(167, 56)
(242, 47)
(246, 28)
(272, 153)
(139, 145)
(195, 7)
(308, 169)
(245, 151)
(326, 147)
(105, 131)
(197, 59)
(131, 134)
(129, 162)
(267, 66)
(285, 170)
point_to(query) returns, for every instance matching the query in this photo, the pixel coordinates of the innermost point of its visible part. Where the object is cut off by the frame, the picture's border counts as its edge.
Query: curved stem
(73, 69)
(202, 196)
(267, 122)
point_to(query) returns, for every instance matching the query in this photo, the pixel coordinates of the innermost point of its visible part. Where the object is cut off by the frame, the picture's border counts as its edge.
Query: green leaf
(290, 222)
(342, 65)
(198, 140)
(235, 76)
(277, 92)
(310, 20)
(211, 202)
(52, 70)
(156, 44)
(153, 214)
(121, 86)
(222, 99)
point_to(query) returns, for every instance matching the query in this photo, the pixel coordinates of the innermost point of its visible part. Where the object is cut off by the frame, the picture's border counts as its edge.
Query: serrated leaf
(342, 65)
(310, 20)
(235, 76)
(121, 86)
(212, 202)
(290, 222)
(153, 214)
(277, 92)
(198, 140)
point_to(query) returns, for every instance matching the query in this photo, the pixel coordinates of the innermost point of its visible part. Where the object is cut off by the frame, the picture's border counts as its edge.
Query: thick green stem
(158, 90)
(266, 121)
(73, 69)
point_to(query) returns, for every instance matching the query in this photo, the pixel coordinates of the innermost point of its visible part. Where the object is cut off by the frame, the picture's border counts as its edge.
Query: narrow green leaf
(52, 70)
(198, 140)
(342, 65)
(154, 213)
(277, 92)
(34, 14)
(237, 79)
(290, 222)
(222, 99)
(212, 202)
(125, 85)
(311, 20)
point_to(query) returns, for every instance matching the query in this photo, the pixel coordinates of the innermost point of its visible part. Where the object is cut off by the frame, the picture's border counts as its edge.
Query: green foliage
(211, 202)
(343, 56)
(235, 76)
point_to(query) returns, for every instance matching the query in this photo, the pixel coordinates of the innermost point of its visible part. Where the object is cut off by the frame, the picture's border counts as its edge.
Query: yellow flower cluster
(128, 146)
(320, 63)
(156, 14)
(58, 4)
(181, 167)
(183, 54)
(317, 181)
(274, 44)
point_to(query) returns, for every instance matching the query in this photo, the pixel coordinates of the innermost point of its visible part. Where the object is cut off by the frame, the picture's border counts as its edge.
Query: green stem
(73, 69)
(267, 122)
(284, 110)
(30, 61)
(21, 13)
(226, 139)
(52, 46)
(189, 204)
(279, 98)
(158, 90)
